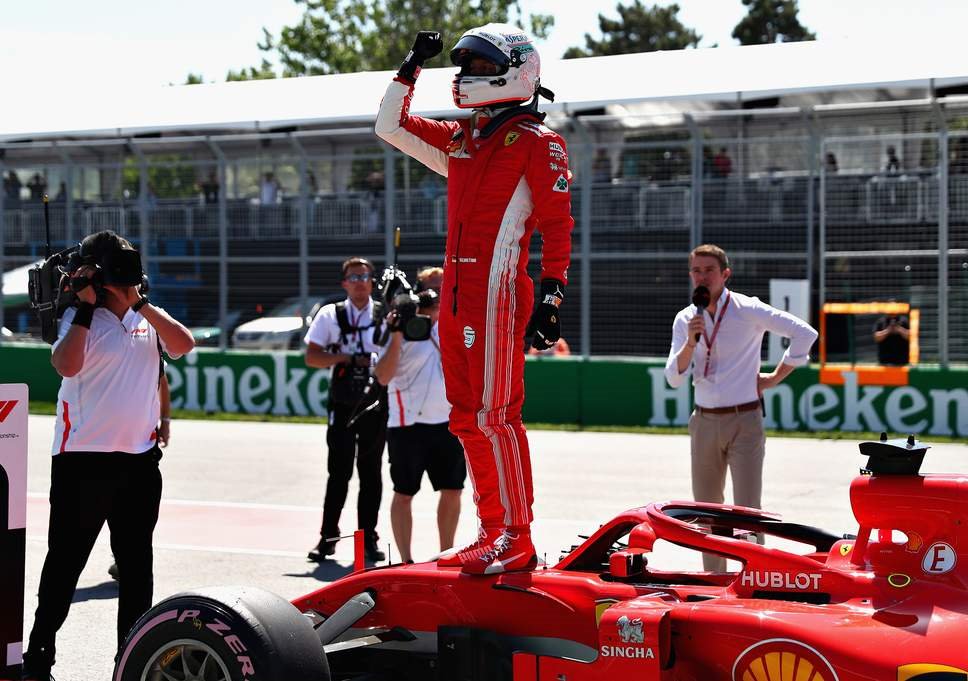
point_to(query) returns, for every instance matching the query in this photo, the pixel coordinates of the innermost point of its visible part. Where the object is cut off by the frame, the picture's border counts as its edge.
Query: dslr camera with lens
(398, 296)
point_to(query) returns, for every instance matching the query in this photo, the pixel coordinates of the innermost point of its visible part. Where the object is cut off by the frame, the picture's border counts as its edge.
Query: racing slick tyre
(222, 634)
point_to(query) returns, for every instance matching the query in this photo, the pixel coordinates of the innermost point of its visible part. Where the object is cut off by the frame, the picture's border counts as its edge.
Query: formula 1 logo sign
(939, 559)
(779, 659)
(6, 406)
(930, 672)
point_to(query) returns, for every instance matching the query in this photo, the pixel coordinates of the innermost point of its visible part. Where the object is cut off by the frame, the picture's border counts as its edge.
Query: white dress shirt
(734, 362)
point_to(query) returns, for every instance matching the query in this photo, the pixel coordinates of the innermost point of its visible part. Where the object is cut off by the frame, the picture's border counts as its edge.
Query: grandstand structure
(802, 160)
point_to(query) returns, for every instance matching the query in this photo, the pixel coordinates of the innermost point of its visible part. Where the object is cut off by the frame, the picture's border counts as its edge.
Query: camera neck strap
(347, 327)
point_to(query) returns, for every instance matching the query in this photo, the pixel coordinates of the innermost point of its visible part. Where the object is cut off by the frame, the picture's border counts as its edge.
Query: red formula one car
(889, 604)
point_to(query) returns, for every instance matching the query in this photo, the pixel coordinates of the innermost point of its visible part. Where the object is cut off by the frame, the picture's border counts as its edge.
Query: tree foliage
(638, 29)
(344, 36)
(771, 21)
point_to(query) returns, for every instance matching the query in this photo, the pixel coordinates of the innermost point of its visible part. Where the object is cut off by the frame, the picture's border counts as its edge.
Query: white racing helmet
(512, 75)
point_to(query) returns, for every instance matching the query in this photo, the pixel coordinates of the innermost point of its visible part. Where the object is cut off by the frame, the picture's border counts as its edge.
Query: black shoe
(113, 571)
(372, 551)
(323, 550)
(35, 669)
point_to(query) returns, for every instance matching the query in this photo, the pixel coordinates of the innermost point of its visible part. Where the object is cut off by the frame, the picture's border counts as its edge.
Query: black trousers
(87, 489)
(364, 442)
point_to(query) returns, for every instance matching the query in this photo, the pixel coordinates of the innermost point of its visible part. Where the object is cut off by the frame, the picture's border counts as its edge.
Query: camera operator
(347, 337)
(892, 333)
(419, 438)
(105, 453)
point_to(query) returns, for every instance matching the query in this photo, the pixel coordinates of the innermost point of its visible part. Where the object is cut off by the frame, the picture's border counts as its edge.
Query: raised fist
(426, 45)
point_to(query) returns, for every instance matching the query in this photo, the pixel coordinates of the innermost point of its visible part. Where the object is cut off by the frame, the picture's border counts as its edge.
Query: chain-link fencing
(243, 235)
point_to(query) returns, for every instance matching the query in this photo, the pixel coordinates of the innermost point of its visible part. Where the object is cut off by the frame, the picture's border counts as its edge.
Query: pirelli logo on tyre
(930, 672)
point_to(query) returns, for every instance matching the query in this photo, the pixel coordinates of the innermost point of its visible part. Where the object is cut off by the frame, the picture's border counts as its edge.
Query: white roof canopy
(703, 74)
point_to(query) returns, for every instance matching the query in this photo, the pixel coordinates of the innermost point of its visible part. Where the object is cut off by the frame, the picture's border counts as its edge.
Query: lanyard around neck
(712, 339)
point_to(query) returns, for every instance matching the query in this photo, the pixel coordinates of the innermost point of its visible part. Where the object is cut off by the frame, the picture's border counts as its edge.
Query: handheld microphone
(700, 298)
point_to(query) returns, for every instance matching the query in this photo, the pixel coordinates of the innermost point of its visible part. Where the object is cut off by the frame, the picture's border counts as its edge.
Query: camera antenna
(396, 244)
(47, 225)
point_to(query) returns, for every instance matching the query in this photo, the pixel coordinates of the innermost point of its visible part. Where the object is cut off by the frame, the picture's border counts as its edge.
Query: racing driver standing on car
(507, 175)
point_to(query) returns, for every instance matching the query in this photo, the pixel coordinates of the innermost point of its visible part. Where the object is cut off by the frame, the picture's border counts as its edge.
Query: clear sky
(68, 43)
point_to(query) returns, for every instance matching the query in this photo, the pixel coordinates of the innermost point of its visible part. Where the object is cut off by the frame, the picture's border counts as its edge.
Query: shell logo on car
(781, 659)
(930, 672)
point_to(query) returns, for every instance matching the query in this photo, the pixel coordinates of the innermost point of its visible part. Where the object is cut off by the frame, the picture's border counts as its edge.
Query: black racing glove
(426, 45)
(545, 325)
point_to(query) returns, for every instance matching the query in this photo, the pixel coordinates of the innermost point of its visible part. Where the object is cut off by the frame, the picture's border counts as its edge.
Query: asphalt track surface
(241, 505)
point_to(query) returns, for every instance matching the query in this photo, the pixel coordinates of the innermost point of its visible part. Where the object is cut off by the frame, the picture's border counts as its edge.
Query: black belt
(739, 408)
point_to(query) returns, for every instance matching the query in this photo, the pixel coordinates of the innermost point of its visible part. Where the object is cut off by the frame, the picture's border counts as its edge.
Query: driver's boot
(457, 557)
(512, 551)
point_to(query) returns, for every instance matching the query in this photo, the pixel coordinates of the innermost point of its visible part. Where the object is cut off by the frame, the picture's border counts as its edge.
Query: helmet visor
(472, 46)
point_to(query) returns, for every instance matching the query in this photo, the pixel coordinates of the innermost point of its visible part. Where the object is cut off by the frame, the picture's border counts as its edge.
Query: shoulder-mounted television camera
(398, 296)
(52, 288)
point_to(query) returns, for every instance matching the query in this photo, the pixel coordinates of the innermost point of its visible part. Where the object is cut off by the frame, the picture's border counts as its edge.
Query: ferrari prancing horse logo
(511, 138)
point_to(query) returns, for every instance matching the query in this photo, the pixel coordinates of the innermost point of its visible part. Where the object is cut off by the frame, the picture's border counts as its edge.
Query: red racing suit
(501, 185)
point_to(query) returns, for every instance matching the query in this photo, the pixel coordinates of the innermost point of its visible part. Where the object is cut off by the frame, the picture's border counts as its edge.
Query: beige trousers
(721, 441)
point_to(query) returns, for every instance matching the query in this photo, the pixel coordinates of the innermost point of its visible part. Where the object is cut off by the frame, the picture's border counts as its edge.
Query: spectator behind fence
(830, 163)
(893, 337)
(11, 189)
(348, 337)
(722, 164)
(958, 164)
(37, 186)
(375, 185)
(893, 163)
(419, 437)
(722, 344)
(269, 190)
(210, 188)
(105, 449)
(602, 168)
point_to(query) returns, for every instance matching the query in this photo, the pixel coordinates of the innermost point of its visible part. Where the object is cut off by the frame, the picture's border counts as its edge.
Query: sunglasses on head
(365, 276)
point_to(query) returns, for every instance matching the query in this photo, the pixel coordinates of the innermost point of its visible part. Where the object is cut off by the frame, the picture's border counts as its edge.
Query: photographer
(347, 338)
(892, 333)
(419, 438)
(105, 453)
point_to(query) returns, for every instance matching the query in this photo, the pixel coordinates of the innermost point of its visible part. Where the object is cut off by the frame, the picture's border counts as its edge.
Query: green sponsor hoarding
(598, 392)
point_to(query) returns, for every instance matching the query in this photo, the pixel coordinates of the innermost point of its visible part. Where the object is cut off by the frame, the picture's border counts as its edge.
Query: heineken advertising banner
(559, 390)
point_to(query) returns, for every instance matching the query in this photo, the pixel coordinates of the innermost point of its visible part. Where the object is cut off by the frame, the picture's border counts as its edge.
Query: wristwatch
(140, 304)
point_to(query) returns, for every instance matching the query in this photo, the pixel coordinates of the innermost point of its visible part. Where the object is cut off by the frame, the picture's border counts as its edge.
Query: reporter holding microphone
(720, 337)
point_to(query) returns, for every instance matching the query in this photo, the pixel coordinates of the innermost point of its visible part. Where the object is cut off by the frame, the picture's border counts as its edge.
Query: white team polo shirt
(416, 391)
(324, 331)
(112, 403)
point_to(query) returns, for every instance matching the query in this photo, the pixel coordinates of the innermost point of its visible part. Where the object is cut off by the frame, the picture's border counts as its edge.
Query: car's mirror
(627, 563)
(642, 536)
